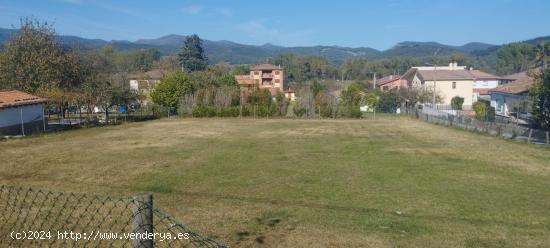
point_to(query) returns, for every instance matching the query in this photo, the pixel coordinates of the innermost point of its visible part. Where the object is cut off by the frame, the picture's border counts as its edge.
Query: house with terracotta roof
(391, 82)
(21, 113)
(483, 83)
(262, 76)
(512, 99)
(145, 82)
(447, 81)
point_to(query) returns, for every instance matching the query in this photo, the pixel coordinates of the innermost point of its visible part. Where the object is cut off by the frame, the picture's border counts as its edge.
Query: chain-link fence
(41, 218)
(501, 129)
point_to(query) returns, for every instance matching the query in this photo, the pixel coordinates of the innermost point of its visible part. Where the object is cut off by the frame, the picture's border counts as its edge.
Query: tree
(351, 99)
(484, 111)
(191, 55)
(542, 53)
(514, 58)
(390, 101)
(34, 62)
(456, 102)
(540, 95)
(171, 88)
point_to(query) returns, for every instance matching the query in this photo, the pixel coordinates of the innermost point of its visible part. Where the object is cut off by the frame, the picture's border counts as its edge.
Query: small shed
(21, 113)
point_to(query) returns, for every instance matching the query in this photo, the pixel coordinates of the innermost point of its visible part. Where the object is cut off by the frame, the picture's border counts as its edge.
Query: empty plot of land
(307, 183)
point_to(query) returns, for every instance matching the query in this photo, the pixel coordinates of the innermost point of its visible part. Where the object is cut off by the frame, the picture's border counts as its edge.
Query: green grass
(389, 182)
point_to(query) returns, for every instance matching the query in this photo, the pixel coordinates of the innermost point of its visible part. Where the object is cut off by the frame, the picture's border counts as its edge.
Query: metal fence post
(530, 134)
(143, 220)
(547, 138)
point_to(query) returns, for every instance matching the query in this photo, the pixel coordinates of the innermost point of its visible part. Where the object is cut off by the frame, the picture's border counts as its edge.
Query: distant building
(145, 82)
(263, 76)
(290, 95)
(483, 83)
(448, 82)
(21, 113)
(513, 98)
(391, 82)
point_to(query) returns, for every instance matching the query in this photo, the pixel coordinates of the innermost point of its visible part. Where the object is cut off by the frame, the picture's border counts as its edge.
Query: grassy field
(389, 182)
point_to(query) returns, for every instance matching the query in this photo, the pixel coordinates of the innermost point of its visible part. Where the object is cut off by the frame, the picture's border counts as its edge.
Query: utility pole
(374, 81)
(435, 82)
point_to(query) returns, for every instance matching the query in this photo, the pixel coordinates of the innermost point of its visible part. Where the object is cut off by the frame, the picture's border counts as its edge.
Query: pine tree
(191, 56)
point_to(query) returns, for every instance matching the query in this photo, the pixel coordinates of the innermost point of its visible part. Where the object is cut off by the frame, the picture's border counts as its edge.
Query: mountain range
(235, 53)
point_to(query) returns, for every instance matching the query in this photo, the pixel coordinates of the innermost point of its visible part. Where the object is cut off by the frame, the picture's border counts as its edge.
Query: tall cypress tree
(191, 55)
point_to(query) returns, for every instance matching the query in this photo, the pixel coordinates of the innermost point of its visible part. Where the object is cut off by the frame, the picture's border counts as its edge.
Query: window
(277, 81)
(276, 72)
(256, 73)
(454, 85)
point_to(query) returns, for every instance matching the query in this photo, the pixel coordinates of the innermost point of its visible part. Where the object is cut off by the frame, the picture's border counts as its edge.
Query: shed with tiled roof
(21, 113)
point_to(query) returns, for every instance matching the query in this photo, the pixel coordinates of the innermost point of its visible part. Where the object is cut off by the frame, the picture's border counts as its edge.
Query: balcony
(267, 75)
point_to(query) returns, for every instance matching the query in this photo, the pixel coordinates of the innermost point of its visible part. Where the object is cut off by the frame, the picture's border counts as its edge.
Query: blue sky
(376, 24)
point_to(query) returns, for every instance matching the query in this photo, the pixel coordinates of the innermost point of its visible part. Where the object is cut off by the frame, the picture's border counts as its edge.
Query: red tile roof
(14, 98)
(522, 83)
(428, 75)
(483, 75)
(266, 67)
(155, 74)
(387, 79)
(244, 79)
(482, 91)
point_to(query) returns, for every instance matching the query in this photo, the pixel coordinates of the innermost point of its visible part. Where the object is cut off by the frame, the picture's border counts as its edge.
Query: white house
(145, 82)
(512, 99)
(483, 83)
(21, 113)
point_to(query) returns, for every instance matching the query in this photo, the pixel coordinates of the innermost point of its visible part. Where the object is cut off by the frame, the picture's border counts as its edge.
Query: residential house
(21, 113)
(448, 82)
(290, 95)
(483, 83)
(512, 99)
(263, 76)
(391, 82)
(145, 82)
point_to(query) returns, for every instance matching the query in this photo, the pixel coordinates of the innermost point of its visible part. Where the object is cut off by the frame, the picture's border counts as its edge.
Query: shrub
(229, 112)
(299, 111)
(199, 111)
(484, 111)
(456, 102)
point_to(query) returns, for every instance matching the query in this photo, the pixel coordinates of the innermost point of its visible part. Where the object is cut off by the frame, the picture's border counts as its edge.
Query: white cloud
(192, 9)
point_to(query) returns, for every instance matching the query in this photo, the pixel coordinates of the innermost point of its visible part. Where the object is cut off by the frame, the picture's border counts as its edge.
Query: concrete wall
(10, 119)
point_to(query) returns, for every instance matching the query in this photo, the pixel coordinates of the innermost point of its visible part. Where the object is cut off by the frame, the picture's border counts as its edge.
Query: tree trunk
(106, 116)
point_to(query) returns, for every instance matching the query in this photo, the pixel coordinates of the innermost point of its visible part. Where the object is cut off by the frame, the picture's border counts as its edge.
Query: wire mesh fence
(496, 128)
(41, 218)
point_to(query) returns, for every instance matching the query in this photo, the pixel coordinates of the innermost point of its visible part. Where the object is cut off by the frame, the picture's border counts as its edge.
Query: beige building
(263, 76)
(146, 81)
(448, 82)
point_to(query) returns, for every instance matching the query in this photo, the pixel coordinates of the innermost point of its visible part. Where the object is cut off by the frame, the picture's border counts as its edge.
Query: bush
(265, 111)
(299, 111)
(484, 111)
(456, 102)
(200, 111)
(355, 112)
(229, 112)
